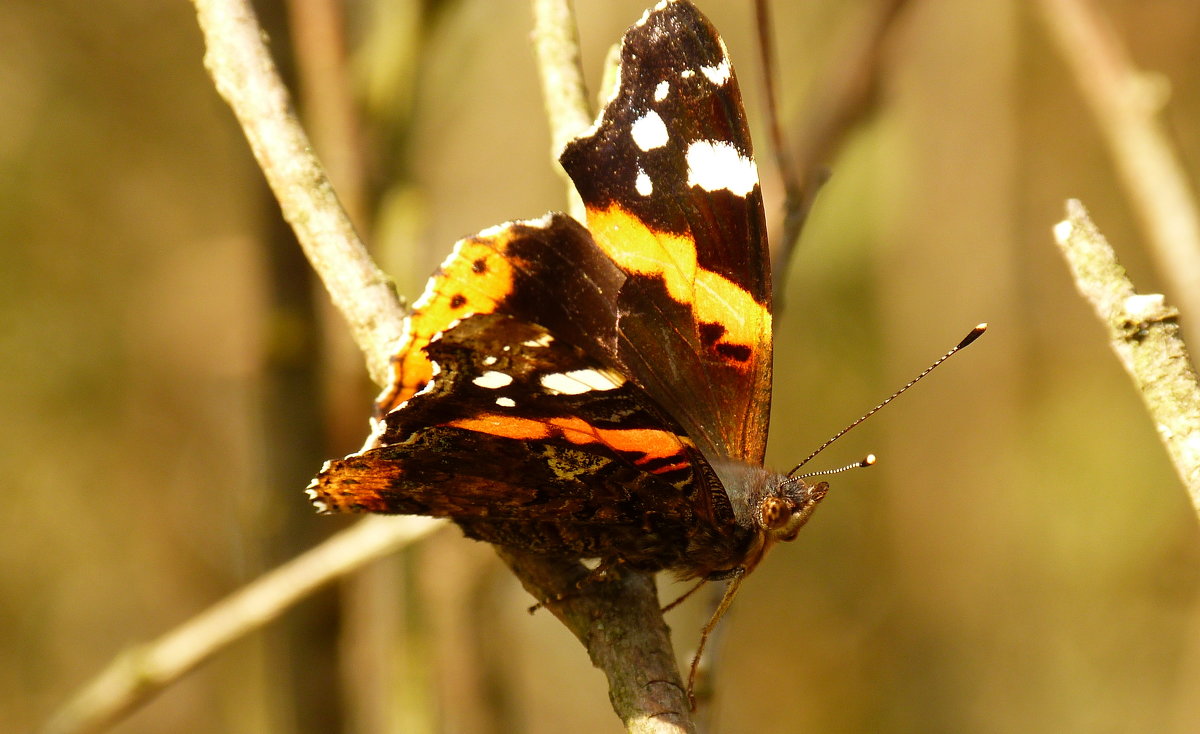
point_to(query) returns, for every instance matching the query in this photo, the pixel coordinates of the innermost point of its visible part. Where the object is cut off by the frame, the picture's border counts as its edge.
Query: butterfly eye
(775, 512)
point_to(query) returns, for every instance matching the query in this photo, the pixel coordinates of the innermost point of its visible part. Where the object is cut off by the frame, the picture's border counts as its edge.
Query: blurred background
(1023, 558)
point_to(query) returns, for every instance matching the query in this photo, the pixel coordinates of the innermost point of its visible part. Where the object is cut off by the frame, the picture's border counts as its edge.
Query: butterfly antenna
(867, 460)
(870, 459)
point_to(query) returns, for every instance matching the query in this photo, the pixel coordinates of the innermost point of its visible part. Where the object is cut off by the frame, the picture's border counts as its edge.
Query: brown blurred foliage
(1022, 559)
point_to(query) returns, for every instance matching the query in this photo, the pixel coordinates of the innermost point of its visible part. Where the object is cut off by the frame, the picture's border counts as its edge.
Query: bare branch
(141, 672)
(556, 44)
(1126, 103)
(242, 70)
(620, 623)
(1144, 333)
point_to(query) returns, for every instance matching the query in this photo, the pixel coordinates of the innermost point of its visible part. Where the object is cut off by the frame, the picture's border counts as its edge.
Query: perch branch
(139, 673)
(1144, 333)
(618, 621)
(1126, 103)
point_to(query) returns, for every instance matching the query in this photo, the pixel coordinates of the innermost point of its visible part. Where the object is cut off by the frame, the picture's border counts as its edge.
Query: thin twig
(1126, 104)
(139, 673)
(564, 94)
(241, 67)
(794, 207)
(1144, 333)
(843, 99)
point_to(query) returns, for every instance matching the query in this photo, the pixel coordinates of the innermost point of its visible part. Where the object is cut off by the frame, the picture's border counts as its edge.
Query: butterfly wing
(672, 196)
(547, 271)
(526, 441)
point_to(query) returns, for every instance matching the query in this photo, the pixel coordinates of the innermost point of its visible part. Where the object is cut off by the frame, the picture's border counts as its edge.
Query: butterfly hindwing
(590, 467)
(672, 195)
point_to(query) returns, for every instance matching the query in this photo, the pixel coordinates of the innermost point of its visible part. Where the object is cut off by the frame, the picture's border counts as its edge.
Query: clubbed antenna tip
(966, 341)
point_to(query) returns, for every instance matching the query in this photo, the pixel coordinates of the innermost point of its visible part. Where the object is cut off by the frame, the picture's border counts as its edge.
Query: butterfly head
(783, 510)
(772, 506)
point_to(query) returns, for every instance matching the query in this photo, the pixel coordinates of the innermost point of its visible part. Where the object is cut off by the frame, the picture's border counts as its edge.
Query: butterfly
(604, 391)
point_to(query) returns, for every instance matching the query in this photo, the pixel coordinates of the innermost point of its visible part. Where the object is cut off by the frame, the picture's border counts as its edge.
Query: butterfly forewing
(672, 194)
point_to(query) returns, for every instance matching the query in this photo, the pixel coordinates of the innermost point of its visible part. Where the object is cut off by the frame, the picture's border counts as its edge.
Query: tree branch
(1126, 104)
(1144, 333)
(244, 74)
(618, 621)
(564, 94)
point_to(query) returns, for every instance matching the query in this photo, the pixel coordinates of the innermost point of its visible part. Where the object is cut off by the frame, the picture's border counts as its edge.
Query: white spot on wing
(506, 402)
(578, 382)
(544, 340)
(493, 380)
(716, 164)
(644, 185)
(649, 131)
(489, 361)
(662, 4)
(662, 90)
(687, 73)
(718, 74)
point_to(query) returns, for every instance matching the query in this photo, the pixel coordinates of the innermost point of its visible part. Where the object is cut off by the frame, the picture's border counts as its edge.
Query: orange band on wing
(473, 279)
(713, 298)
(652, 443)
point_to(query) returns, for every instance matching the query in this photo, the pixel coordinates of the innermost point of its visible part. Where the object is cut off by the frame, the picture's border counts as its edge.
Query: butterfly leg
(684, 596)
(726, 599)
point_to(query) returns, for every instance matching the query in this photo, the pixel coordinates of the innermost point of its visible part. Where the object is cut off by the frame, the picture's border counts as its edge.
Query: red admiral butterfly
(604, 392)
